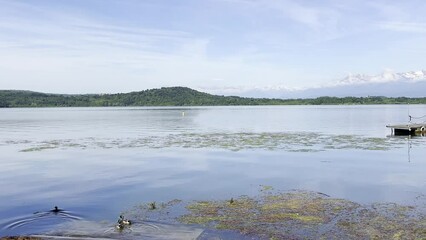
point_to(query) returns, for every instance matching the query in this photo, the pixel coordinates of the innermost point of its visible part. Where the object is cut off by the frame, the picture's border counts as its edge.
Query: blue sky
(108, 46)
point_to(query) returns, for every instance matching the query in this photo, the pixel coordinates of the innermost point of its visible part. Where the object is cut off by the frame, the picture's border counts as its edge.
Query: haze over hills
(389, 84)
(407, 87)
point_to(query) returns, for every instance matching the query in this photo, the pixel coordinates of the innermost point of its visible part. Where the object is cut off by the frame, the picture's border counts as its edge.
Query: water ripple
(38, 220)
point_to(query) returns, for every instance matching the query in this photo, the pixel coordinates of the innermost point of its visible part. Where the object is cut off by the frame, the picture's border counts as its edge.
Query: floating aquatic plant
(293, 142)
(299, 215)
(310, 215)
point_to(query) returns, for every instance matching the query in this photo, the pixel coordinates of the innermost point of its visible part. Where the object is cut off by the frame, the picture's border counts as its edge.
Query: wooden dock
(408, 129)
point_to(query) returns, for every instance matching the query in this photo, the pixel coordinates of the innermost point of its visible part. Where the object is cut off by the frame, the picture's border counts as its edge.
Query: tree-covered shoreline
(176, 96)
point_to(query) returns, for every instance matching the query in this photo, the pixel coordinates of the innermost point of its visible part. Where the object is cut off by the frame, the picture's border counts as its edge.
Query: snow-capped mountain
(388, 83)
(386, 76)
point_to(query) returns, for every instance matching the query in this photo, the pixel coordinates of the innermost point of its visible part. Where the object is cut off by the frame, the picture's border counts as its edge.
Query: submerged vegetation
(287, 141)
(174, 96)
(298, 215)
(270, 214)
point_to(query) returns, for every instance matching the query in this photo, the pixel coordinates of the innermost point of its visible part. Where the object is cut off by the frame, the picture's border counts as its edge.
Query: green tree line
(175, 96)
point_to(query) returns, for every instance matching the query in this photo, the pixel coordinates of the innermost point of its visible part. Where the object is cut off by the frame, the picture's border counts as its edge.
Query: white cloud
(404, 26)
(316, 18)
(272, 46)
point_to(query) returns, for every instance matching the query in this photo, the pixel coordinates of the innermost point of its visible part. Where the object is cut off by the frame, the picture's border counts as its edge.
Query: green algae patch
(278, 217)
(292, 215)
(220, 213)
(307, 215)
(286, 141)
(36, 149)
(385, 221)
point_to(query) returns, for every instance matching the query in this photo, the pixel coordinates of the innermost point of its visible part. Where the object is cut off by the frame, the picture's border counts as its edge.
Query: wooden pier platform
(408, 129)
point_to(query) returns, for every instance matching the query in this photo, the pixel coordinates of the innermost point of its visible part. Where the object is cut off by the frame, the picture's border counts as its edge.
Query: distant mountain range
(389, 84)
(407, 84)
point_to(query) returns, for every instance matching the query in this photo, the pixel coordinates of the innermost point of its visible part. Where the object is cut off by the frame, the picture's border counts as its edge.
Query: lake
(98, 162)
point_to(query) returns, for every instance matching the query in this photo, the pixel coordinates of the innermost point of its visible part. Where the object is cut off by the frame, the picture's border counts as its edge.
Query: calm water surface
(98, 162)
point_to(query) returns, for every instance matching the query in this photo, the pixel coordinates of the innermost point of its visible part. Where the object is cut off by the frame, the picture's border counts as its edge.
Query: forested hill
(173, 96)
